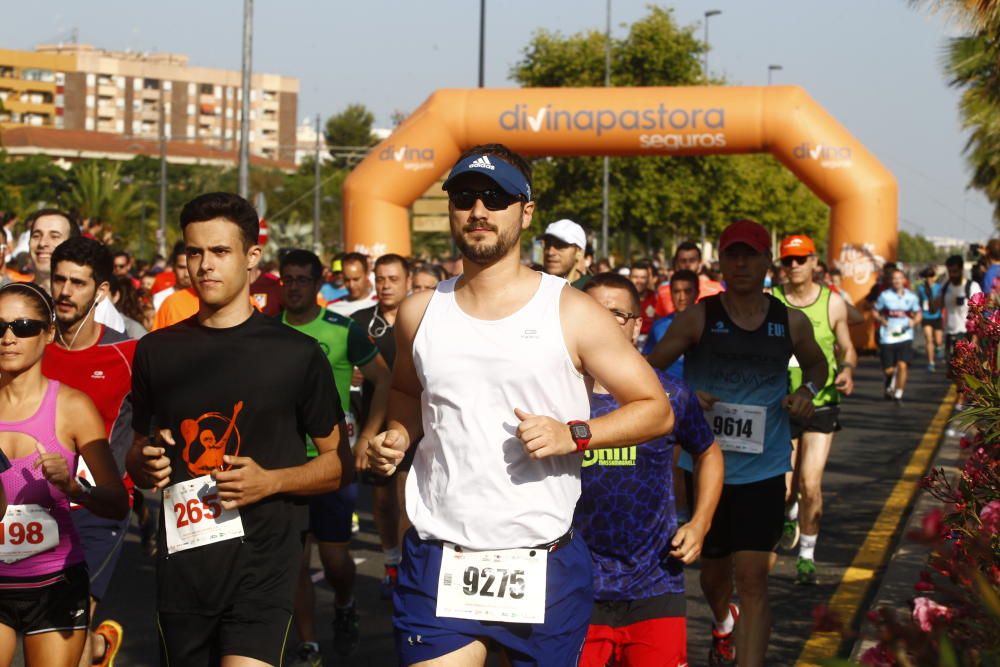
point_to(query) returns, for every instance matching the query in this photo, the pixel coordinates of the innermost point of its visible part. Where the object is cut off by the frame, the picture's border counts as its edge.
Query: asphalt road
(867, 458)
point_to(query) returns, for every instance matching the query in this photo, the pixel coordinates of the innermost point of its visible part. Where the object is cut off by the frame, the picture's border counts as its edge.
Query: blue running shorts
(422, 635)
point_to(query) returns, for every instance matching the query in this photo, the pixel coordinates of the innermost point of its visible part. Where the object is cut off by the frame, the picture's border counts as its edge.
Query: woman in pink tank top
(44, 428)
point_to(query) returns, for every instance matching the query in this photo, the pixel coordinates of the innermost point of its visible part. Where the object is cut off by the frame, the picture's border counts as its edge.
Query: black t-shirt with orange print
(256, 390)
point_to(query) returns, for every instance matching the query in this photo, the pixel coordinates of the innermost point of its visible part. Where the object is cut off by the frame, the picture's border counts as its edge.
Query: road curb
(895, 586)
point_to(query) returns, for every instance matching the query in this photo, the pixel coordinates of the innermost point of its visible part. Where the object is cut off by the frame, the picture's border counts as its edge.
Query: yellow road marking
(858, 578)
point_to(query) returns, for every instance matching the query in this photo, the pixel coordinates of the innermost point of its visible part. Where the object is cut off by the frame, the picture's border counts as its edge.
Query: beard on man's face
(482, 253)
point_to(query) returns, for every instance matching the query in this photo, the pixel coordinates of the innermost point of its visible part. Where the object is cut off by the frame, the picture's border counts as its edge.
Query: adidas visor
(501, 172)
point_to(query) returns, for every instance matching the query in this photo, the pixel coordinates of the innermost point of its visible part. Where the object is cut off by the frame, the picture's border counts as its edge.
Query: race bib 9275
(504, 585)
(193, 515)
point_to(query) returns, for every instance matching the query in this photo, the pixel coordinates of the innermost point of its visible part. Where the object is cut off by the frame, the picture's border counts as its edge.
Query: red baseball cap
(797, 245)
(749, 232)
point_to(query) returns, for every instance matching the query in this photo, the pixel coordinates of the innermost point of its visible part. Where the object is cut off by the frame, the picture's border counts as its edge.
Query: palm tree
(973, 63)
(98, 191)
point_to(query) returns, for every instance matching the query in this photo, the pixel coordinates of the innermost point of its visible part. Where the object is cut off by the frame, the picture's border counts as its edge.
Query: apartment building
(141, 95)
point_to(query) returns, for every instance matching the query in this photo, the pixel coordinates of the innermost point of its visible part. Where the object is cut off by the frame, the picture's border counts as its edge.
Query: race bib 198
(26, 530)
(505, 585)
(738, 428)
(193, 515)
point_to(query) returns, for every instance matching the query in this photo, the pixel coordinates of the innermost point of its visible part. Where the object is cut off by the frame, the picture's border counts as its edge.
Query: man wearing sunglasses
(97, 360)
(736, 348)
(811, 439)
(490, 370)
(346, 346)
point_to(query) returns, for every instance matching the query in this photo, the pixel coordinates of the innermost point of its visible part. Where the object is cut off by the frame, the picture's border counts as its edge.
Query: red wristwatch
(580, 432)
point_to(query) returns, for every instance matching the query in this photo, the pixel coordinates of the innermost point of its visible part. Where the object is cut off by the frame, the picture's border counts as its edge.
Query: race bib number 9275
(504, 585)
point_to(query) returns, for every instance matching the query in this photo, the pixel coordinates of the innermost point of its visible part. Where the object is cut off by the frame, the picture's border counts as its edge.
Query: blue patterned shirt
(626, 512)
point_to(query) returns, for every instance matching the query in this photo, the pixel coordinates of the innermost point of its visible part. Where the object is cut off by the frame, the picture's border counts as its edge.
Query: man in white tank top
(492, 370)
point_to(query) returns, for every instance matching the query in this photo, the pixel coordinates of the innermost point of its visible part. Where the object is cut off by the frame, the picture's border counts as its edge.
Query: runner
(231, 393)
(683, 294)
(954, 299)
(642, 276)
(392, 280)
(737, 346)
(929, 294)
(687, 257)
(179, 302)
(425, 278)
(44, 428)
(96, 360)
(639, 607)
(897, 310)
(812, 438)
(346, 346)
(360, 293)
(564, 243)
(47, 228)
(489, 369)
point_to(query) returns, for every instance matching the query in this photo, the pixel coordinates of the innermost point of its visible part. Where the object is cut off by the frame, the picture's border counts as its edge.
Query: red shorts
(653, 641)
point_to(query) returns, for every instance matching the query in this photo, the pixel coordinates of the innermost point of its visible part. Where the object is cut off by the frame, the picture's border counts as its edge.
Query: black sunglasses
(493, 200)
(795, 259)
(23, 328)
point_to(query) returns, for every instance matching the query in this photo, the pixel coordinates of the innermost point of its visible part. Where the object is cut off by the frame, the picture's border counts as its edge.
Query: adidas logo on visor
(482, 163)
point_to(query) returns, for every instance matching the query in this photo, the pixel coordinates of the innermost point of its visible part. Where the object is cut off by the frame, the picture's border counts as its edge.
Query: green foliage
(915, 249)
(972, 61)
(657, 200)
(348, 133)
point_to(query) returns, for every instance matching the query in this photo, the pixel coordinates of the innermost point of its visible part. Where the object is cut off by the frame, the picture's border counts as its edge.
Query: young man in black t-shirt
(230, 395)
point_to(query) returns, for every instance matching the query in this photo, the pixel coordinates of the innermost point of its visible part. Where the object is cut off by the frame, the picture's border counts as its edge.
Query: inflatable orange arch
(706, 120)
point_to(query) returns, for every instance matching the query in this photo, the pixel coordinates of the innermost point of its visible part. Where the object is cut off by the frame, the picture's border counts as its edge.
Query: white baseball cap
(567, 231)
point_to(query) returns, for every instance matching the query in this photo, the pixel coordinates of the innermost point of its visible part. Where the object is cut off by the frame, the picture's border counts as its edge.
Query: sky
(875, 65)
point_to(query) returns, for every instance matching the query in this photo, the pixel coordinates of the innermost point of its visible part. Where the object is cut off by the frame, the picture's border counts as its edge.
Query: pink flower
(990, 516)
(932, 525)
(977, 300)
(878, 656)
(927, 612)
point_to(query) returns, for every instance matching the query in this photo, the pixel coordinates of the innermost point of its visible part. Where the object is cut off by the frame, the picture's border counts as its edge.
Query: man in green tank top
(811, 439)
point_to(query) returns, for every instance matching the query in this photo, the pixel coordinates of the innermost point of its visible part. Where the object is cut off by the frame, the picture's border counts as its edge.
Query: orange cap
(797, 245)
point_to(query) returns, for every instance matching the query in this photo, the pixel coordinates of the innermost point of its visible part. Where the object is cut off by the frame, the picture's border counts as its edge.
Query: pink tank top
(24, 485)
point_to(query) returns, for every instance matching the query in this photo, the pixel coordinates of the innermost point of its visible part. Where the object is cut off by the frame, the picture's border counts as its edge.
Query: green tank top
(818, 313)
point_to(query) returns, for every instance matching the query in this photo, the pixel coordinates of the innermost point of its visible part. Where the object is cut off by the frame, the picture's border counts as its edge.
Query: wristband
(811, 388)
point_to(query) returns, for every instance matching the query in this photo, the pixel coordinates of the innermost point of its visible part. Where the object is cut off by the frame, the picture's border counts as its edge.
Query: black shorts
(895, 353)
(826, 419)
(750, 517)
(47, 603)
(246, 629)
(935, 324)
(102, 541)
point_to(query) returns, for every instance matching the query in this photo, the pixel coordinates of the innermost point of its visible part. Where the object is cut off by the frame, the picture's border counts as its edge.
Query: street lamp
(709, 14)
(606, 172)
(244, 172)
(482, 43)
(770, 70)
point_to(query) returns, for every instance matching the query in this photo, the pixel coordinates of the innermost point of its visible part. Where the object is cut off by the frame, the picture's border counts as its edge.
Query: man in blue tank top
(737, 346)
(490, 369)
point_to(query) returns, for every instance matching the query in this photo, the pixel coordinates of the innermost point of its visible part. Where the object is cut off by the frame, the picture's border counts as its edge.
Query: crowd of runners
(548, 445)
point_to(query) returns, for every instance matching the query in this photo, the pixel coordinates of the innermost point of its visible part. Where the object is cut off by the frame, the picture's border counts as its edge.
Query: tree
(973, 63)
(655, 200)
(97, 191)
(349, 134)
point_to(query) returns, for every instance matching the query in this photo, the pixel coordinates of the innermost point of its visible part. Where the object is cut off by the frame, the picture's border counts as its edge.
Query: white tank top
(472, 482)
